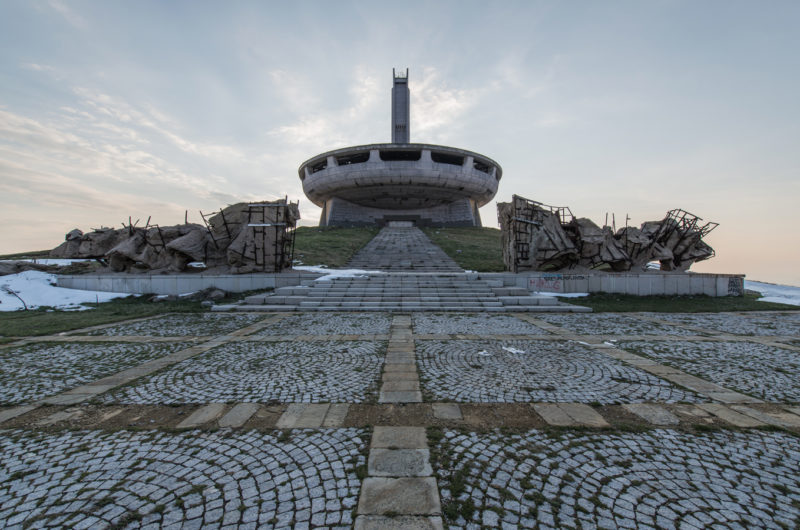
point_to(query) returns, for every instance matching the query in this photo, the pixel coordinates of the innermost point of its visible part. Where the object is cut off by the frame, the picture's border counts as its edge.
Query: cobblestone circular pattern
(610, 324)
(186, 325)
(657, 479)
(439, 324)
(95, 479)
(254, 372)
(330, 324)
(535, 371)
(763, 371)
(736, 324)
(35, 371)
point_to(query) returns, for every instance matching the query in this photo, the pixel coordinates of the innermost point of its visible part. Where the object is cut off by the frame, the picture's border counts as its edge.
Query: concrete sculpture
(419, 183)
(538, 237)
(242, 238)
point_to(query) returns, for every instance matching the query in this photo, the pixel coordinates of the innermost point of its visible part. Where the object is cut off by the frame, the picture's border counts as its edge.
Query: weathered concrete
(406, 496)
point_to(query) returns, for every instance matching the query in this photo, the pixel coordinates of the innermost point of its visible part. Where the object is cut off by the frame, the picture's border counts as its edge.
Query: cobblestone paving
(330, 324)
(436, 324)
(752, 324)
(95, 479)
(610, 324)
(762, 371)
(35, 371)
(663, 478)
(191, 324)
(530, 370)
(293, 372)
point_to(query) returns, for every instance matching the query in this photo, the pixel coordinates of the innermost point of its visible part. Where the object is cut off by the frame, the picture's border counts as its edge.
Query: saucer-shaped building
(428, 185)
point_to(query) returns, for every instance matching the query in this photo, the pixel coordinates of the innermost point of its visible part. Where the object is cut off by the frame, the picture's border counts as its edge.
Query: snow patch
(39, 289)
(770, 292)
(48, 261)
(330, 274)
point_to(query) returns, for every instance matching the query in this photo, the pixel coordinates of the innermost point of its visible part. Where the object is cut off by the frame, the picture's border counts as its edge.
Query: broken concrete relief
(545, 238)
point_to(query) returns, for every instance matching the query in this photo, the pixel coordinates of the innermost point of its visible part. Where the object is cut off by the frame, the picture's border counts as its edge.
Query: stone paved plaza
(529, 371)
(398, 420)
(256, 372)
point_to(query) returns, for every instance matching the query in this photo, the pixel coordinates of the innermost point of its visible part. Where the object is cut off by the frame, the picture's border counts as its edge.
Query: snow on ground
(782, 294)
(49, 261)
(38, 289)
(330, 274)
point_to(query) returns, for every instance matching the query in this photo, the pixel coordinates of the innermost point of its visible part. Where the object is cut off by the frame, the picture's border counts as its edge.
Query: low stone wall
(181, 283)
(639, 284)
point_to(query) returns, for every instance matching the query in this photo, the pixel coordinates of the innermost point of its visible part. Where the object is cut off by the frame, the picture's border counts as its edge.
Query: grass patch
(333, 247)
(43, 322)
(621, 303)
(473, 248)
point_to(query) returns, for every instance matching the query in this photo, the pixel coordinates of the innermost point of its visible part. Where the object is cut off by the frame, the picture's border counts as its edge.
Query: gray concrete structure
(401, 181)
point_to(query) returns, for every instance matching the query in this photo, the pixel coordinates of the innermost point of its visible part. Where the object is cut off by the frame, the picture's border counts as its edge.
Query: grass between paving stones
(45, 321)
(619, 303)
(473, 248)
(333, 247)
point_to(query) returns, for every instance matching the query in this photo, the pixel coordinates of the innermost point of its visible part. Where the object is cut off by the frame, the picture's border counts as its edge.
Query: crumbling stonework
(244, 237)
(537, 237)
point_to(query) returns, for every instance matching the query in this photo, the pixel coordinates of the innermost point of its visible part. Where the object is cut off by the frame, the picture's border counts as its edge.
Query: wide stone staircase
(402, 271)
(464, 292)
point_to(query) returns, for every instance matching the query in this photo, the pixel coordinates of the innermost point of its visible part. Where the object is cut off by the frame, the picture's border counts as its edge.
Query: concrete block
(407, 522)
(238, 415)
(403, 396)
(399, 437)
(653, 414)
(417, 495)
(734, 418)
(336, 415)
(202, 415)
(399, 463)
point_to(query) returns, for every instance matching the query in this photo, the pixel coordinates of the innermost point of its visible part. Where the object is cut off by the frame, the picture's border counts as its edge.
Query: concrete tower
(401, 126)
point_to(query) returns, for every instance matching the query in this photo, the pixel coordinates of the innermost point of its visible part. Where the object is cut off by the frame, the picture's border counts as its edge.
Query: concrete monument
(423, 184)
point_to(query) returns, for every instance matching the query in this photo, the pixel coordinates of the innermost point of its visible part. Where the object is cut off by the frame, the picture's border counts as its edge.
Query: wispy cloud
(69, 15)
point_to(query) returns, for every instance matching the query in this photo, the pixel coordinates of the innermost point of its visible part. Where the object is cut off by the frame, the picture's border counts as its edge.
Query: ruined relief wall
(538, 237)
(244, 237)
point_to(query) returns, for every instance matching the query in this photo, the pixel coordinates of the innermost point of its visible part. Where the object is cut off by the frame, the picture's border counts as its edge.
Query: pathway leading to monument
(403, 249)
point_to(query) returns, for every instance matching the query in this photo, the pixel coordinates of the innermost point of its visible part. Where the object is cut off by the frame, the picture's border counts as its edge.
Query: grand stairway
(402, 292)
(403, 271)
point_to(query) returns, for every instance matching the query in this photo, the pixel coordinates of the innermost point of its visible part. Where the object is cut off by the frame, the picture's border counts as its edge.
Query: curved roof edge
(400, 147)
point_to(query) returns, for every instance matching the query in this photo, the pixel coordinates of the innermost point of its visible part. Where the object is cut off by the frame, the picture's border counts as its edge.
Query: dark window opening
(389, 156)
(319, 166)
(480, 166)
(358, 158)
(443, 158)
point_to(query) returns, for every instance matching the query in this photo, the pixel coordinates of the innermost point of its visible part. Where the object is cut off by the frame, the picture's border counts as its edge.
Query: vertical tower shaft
(401, 114)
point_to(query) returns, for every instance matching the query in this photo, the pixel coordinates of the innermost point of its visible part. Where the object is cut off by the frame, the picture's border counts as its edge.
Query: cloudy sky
(112, 108)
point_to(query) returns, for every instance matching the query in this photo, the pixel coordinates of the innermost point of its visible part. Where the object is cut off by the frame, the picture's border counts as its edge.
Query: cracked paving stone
(88, 479)
(661, 478)
(289, 372)
(535, 371)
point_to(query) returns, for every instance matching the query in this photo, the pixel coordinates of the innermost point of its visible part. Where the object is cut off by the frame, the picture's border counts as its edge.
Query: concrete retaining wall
(653, 283)
(180, 283)
(643, 284)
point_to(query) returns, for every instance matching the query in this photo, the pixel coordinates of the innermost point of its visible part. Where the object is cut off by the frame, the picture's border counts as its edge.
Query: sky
(151, 109)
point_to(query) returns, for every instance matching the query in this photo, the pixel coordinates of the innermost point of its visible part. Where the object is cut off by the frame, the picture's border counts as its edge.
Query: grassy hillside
(474, 249)
(601, 302)
(333, 247)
